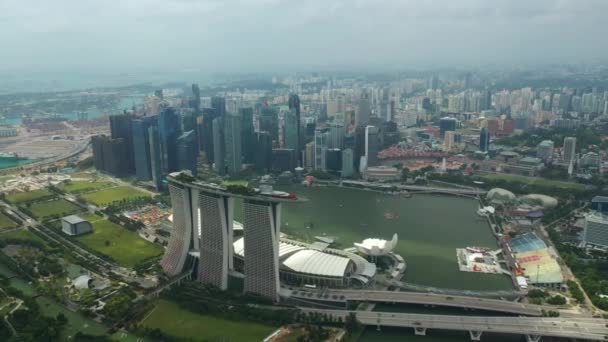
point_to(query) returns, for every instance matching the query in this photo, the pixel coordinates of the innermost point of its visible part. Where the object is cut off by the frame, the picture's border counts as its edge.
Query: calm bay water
(430, 228)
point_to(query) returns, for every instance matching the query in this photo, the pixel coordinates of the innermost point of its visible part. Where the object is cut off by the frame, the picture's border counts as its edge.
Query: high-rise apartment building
(569, 150)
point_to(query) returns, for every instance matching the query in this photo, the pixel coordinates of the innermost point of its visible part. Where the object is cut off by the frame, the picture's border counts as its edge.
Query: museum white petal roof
(377, 246)
(318, 263)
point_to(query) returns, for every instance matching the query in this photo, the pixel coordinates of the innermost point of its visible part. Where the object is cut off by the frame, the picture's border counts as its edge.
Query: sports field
(189, 325)
(105, 197)
(124, 246)
(82, 186)
(61, 207)
(28, 196)
(6, 223)
(533, 181)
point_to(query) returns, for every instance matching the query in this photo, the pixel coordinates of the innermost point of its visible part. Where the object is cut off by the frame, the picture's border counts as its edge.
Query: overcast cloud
(277, 34)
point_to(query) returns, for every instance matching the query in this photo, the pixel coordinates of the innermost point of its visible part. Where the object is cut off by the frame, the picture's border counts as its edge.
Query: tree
(556, 300)
(61, 319)
(350, 323)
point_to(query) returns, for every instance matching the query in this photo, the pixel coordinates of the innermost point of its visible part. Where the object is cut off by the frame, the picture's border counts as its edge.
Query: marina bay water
(430, 228)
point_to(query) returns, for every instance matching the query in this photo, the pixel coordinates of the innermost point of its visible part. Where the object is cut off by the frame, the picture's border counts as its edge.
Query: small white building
(74, 225)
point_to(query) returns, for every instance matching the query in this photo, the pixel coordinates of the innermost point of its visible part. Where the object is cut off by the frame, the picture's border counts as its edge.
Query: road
(436, 300)
(533, 327)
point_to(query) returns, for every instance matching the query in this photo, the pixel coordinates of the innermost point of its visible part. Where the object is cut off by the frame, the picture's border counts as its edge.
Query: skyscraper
(333, 160)
(336, 135)
(269, 122)
(321, 137)
(263, 154)
(215, 221)
(183, 235)
(187, 152)
(291, 130)
(363, 111)
(141, 147)
(347, 163)
(248, 139)
(218, 145)
(232, 143)
(484, 140)
(569, 150)
(283, 159)
(120, 128)
(209, 114)
(168, 130)
(195, 102)
(372, 145)
(109, 155)
(262, 226)
(446, 124)
(155, 157)
(309, 155)
(218, 103)
(294, 104)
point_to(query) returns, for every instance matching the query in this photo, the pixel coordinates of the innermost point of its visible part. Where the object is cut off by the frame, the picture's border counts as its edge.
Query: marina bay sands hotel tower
(203, 224)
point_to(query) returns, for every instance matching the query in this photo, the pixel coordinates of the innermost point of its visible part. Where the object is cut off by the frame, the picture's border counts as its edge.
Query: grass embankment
(189, 325)
(6, 223)
(29, 196)
(105, 197)
(533, 181)
(122, 245)
(61, 207)
(84, 186)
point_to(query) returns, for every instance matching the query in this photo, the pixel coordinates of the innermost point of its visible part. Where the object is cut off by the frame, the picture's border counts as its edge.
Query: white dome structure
(500, 195)
(376, 247)
(543, 200)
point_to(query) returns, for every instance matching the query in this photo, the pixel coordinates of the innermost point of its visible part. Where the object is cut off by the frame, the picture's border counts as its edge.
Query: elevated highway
(533, 328)
(476, 303)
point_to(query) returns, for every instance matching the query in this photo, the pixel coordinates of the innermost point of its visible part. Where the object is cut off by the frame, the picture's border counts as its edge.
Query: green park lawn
(105, 197)
(21, 235)
(189, 325)
(6, 223)
(28, 196)
(124, 246)
(61, 207)
(82, 186)
(533, 181)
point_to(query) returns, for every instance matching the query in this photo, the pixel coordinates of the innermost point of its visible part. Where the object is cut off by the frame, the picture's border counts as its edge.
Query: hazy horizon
(266, 35)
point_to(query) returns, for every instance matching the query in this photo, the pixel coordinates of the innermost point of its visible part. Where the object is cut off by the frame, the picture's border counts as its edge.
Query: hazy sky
(275, 34)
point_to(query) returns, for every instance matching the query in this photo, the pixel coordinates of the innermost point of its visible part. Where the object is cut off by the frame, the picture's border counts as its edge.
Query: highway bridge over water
(533, 328)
